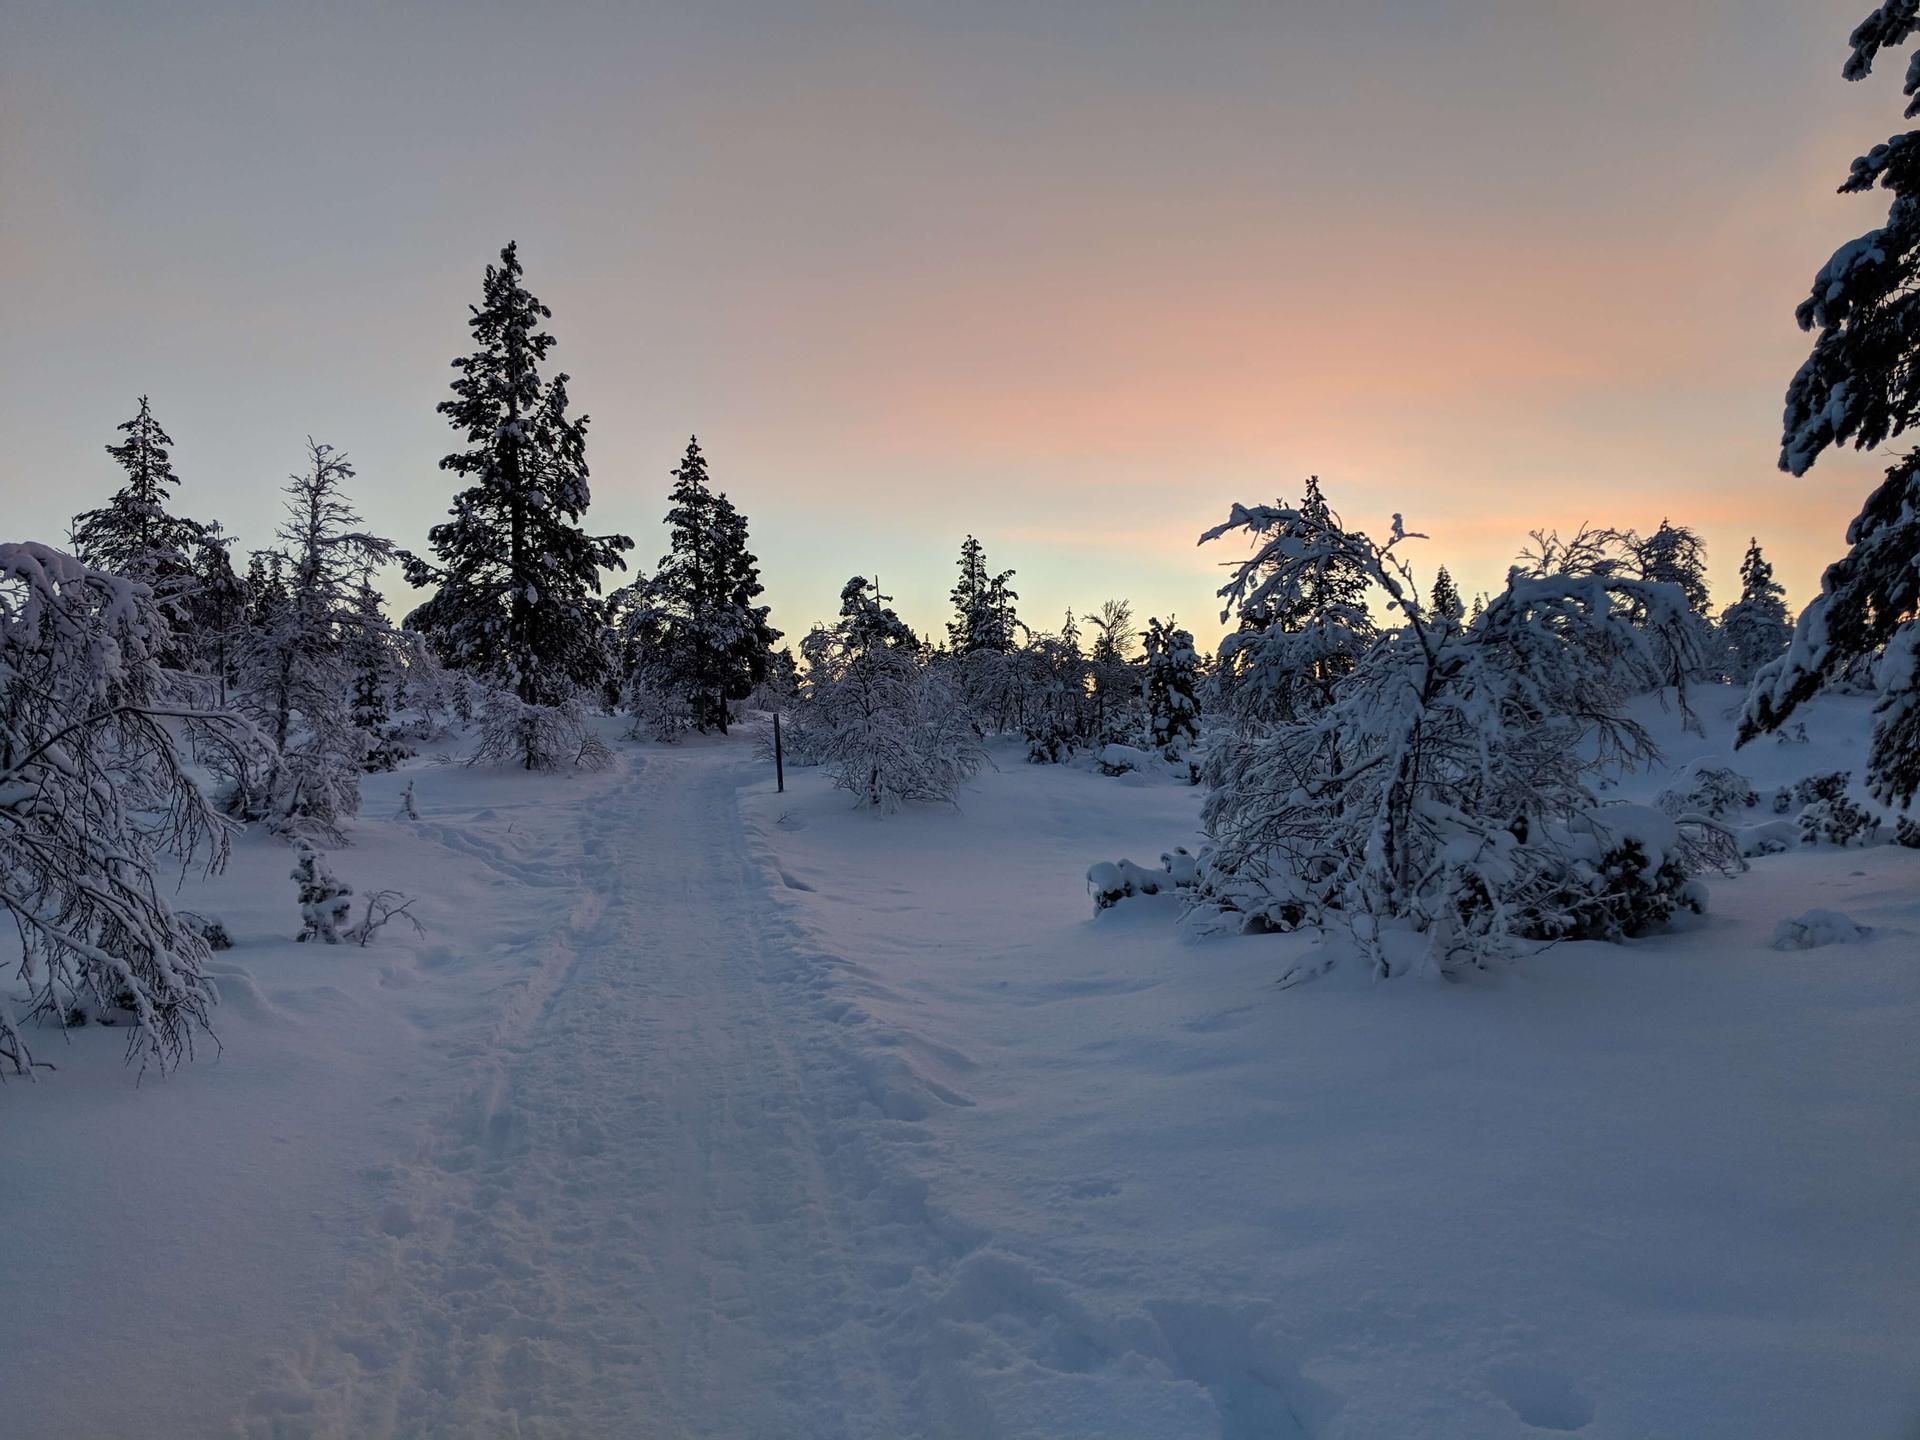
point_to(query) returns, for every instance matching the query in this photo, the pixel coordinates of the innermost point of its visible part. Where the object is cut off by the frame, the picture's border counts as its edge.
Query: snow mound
(1815, 928)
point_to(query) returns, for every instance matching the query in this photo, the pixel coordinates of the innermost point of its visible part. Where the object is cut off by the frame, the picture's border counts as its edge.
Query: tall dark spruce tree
(135, 536)
(984, 617)
(517, 579)
(1675, 555)
(699, 621)
(1861, 386)
(1755, 628)
(1446, 597)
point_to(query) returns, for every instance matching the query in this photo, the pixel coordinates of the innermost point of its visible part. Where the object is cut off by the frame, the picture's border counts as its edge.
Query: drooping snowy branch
(95, 798)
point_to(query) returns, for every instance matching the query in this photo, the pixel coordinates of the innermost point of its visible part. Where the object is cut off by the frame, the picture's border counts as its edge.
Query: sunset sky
(1072, 277)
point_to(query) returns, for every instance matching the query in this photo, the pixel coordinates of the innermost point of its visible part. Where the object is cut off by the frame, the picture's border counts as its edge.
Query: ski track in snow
(663, 1208)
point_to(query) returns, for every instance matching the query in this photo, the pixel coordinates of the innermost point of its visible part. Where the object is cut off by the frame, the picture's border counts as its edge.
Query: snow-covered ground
(702, 1110)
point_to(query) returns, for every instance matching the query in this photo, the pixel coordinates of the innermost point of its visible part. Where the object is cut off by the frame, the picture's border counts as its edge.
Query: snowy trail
(651, 1216)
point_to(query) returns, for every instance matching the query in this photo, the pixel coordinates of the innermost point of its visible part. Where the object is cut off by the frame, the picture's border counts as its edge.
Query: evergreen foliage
(890, 729)
(516, 578)
(1860, 386)
(1755, 628)
(1674, 555)
(1295, 642)
(1169, 689)
(136, 536)
(696, 622)
(984, 618)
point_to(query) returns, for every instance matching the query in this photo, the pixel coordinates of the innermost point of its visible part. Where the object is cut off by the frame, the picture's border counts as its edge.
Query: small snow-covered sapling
(325, 900)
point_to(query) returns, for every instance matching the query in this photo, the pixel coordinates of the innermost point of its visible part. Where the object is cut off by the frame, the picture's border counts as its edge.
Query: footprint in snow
(1542, 1398)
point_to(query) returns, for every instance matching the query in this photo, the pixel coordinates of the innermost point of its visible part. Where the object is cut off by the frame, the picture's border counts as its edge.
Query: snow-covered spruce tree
(889, 729)
(984, 617)
(1290, 651)
(93, 793)
(1754, 630)
(1439, 792)
(983, 638)
(296, 663)
(326, 902)
(1861, 386)
(1168, 689)
(705, 638)
(135, 535)
(216, 607)
(376, 661)
(1446, 602)
(516, 579)
(1675, 555)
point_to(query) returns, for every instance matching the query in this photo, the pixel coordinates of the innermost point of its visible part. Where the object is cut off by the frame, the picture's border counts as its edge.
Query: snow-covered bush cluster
(1429, 776)
(1715, 791)
(1112, 881)
(1817, 928)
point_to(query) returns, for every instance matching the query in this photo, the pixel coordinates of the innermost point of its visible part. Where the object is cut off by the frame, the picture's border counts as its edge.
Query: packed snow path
(645, 1221)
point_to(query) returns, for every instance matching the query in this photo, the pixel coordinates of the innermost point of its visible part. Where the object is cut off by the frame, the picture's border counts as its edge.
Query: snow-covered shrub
(408, 809)
(1117, 759)
(1906, 832)
(1830, 785)
(1829, 816)
(1783, 800)
(1838, 821)
(889, 729)
(1771, 837)
(658, 705)
(1711, 790)
(211, 928)
(1817, 928)
(537, 737)
(1440, 789)
(1112, 881)
(315, 786)
(325, 900)
(1055, 703)
(93, 792)
(1635, 883)
(892, 732)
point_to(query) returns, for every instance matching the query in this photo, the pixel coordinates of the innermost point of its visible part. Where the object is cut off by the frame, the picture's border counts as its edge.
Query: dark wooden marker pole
(779, 758)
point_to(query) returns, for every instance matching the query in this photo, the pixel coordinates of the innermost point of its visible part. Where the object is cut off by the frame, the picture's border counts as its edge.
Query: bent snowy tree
(1439, 792)
(1860, 387)
(93, 794)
